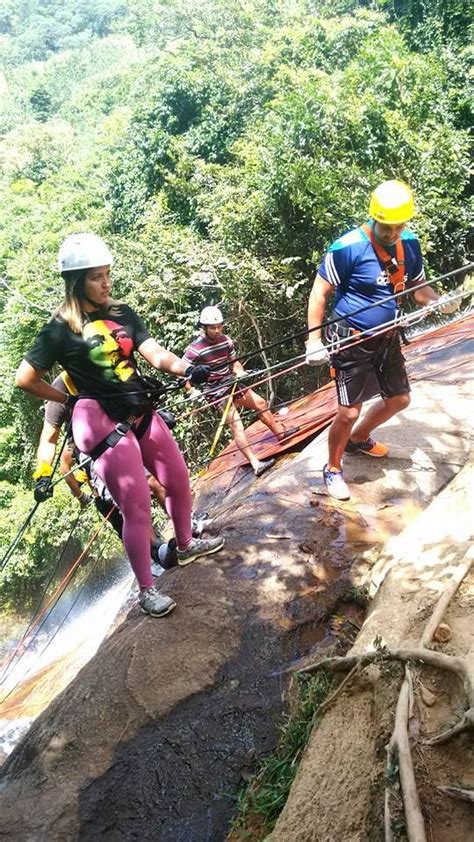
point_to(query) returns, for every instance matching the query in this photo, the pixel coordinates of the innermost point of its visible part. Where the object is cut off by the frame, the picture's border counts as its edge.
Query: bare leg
(253, 401)
(378, 413)
(157, 490)
(339, 433)
(238, 433)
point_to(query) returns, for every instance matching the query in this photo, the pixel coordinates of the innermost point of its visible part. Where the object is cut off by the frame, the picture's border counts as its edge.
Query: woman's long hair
(70, 309)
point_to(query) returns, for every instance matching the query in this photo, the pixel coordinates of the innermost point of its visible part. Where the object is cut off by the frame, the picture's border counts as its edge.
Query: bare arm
(65, 465)
(238, 368)
(31, 380)
(425, 295)
(317, 305)
(47, 443)
(162, 359)
(45, 455)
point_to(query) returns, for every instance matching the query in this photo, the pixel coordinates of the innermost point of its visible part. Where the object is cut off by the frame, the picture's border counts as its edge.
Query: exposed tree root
(398, 748)
(456, 792)
(445, 598)
(466, 724)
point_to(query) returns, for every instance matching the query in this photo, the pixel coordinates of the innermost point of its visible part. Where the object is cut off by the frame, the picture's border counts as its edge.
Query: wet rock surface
(151, 739)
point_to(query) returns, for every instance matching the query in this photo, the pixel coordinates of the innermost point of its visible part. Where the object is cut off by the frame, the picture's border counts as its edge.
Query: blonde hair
(70, 310)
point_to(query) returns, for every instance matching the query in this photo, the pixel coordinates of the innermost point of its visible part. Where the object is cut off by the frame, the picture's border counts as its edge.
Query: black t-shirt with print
(101, 360)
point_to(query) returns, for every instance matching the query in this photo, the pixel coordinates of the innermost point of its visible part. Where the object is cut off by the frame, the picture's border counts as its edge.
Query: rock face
(150, 739)
(344, 761)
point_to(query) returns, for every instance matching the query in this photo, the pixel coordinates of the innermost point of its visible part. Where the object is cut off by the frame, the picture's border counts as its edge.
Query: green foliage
(34, 30)
(267, 792)
(26, 574)
(428, 23)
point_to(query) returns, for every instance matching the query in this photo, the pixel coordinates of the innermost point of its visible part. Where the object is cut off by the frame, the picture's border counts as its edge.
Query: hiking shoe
(197, 548)
(370, 447)
(335, 484)
(263, 466)
(155, 603)
(163, 556)
(288, 434)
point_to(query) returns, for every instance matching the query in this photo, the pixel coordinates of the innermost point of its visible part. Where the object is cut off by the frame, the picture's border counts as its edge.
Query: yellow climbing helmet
(392, 203)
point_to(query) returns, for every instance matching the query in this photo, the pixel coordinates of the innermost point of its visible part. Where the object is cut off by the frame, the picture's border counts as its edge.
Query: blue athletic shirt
(354, 270)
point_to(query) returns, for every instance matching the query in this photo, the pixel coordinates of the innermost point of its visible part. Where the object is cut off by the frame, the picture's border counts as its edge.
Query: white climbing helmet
(211, 316)
(83, 251)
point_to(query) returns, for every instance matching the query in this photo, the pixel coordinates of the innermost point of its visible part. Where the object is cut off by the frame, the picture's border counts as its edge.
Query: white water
(46, 667)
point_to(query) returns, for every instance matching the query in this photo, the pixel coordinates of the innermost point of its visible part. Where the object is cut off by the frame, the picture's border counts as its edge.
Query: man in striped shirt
(216, 350)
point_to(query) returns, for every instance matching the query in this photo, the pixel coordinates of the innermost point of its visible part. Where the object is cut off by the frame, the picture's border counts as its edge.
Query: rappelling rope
(172, 387)
(347, 342)
(44, 613)
(353, 341)
(416, 316)
(11, 549)
(7, 661)
(56, 631)
(299, 361)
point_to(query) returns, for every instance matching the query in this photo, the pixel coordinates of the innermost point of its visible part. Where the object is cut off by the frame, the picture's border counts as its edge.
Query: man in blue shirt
(362, 269)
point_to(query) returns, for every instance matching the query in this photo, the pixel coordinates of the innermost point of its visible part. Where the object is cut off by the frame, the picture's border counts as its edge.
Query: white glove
(447, 306)
(195, 394)
(316, 352)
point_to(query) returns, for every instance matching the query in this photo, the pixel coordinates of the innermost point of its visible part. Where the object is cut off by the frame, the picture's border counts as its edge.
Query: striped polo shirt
(219, 356)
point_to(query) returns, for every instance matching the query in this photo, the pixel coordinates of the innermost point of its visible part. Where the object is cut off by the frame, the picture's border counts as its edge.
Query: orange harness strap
(394, 266)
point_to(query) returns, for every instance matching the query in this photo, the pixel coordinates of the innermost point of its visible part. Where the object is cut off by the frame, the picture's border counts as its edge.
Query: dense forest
(218, 148)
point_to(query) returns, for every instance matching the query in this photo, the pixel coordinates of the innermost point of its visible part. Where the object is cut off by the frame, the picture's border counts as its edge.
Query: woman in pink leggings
(94, 338)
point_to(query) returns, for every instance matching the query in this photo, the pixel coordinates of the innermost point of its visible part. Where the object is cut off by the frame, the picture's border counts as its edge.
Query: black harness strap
(120, 431)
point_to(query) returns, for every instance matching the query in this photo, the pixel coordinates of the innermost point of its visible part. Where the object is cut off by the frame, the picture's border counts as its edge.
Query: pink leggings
(121, 468)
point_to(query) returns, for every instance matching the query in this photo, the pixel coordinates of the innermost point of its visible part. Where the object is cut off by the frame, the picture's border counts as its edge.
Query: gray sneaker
(197, 548)
(263, 466)
(155, 603)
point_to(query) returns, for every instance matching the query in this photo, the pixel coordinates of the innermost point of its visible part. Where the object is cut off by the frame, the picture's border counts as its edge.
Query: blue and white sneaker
(335, 484)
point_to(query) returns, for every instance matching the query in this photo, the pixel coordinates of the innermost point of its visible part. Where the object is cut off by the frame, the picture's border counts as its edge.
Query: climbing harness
(338, 333)
(394, 266)
(120, 431)
(143, 415)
